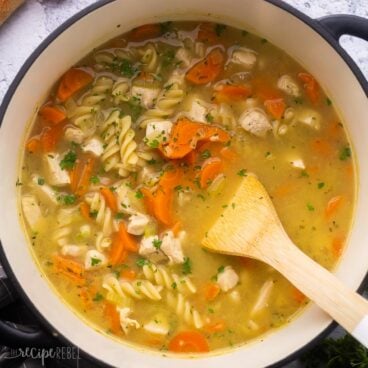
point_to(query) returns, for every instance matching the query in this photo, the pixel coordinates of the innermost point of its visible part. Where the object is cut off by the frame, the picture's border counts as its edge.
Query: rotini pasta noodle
(138, 289)
(184, 309)
(101, 212)
(161, 276)
(121, 151)
(170, 98)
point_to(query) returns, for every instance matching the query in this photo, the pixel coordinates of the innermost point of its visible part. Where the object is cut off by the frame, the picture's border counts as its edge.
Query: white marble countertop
(34, 21)
(24, 31)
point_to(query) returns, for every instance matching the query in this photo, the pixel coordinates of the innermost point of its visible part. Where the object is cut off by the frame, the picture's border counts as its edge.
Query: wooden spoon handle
(345, 306)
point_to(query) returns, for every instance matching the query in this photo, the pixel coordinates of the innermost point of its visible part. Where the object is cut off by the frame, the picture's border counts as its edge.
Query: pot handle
(18, 336)
(15, 335)
(344, 24)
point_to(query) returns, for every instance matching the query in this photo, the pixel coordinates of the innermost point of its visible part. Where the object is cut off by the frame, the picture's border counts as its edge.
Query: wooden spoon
(252, 229)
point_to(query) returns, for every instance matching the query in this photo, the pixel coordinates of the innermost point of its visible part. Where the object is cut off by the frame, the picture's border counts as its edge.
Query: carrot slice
(128, 240)
(71, 82)
(208, 69)
(69, 268)
(210, 169)
(232, 93)
(311, 87)
(50, 137)
(298, 296)
(145, 32)
(216, 327)
(207, 33)
(189, 342)
(163, 207)
(228, 154)
(186, 134)
(276, 107)
(211, 291)
(333, 205)
(338, 245)
(52, 114)
(85, 210)
(33, 145)
(177, 227)
(113, 317)
(148, 199)
(128, 274)
(117, 253)
(110, 199)
(85, 173)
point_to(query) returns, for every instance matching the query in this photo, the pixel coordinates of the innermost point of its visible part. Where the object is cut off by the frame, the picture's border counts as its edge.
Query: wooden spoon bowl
(252, 228)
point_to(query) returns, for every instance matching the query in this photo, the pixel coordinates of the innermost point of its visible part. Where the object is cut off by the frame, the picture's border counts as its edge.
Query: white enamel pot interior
(97, 25)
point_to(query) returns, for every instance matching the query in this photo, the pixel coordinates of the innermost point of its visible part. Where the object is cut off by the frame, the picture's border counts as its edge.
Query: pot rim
(308, 21)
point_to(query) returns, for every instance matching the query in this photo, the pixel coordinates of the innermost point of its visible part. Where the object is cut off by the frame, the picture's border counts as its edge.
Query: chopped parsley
(345, 153)
(242, 172)
(98, 297)
(125, 67)
(138, 194)
(40, 181)
(178, 188)
(206, 154)
(68, 162)
(67, 199)
(119, 215)
(310, 207)
(220, 29)
(174, 285)
(187, 266)
(209, 118)
(93, 214)
(141, 262)
(94, 179)
(328, 102)
(320, 185)
(168, 58)
(221, 269)
(154, 143)
(95, 261)
(157, 243)
(18, 183)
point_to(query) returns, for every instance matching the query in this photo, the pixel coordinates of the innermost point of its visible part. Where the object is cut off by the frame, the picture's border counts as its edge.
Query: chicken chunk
(288, 85)
(55, 175)
(44, 192)
(159, 325)
(93, 145)
(245, 57)
(137, 224)
(31, 211)
(148, 249)
(198, 110)
(73, 250)
(127, 323)
(146, 95)
(75, 135)
(171, 246)
(255, 121)
(227, 279)
(183, 56)
(308, 117)
(158, 131)
(94, 259)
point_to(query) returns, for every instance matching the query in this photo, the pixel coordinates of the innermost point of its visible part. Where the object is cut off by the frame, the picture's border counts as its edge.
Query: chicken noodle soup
(135, 153)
